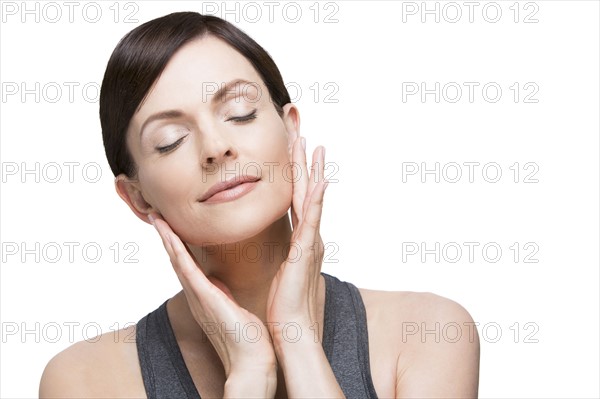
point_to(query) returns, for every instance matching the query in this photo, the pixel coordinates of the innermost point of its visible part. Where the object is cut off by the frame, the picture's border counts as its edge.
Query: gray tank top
(345, 342)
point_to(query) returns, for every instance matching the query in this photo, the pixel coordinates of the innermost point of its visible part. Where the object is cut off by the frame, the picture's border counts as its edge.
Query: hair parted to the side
(141, 56)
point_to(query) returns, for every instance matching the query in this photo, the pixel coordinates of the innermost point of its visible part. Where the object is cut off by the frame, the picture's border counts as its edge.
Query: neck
(248, 267)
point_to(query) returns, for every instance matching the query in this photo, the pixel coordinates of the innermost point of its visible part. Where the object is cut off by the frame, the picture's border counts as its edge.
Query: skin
(220, 287)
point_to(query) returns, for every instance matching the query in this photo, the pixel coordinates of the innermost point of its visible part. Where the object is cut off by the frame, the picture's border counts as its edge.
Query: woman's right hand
(211, 303)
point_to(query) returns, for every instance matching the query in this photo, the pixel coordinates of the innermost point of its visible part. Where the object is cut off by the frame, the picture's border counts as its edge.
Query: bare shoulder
(105, 366)
(408, 306)
(433, 339)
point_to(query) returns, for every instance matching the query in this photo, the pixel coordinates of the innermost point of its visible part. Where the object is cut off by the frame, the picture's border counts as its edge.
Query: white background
(373, 212)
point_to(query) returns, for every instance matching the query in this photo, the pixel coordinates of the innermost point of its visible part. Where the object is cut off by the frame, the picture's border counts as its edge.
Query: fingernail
(323, 152)
(303, 143)
(151, 218)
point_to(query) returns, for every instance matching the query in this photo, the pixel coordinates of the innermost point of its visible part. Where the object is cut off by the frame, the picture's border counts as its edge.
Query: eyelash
(170, 147)
(244, 118)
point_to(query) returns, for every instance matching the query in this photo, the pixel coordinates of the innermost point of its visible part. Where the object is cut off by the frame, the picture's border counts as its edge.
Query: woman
(205, 145)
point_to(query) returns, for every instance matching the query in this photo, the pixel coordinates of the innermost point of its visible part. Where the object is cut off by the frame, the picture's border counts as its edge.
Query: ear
(130, 192)
(291, 120)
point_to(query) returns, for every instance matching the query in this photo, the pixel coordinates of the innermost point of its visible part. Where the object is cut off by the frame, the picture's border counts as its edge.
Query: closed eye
(244, 118)
(170, 147)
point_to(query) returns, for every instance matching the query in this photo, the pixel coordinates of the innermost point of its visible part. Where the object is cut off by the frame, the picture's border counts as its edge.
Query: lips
(225, 185)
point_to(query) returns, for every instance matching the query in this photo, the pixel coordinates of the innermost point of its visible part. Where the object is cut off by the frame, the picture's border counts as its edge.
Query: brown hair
(142, 55)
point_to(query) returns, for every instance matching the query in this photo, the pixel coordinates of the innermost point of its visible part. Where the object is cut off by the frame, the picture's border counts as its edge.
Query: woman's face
(184, 139)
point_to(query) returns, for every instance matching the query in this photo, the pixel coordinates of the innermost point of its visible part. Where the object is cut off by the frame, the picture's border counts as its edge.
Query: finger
(190, 276)
(163, 236)
(308, 239)
(309, 227)
(316, 175)
(299, 179)
(198, 288)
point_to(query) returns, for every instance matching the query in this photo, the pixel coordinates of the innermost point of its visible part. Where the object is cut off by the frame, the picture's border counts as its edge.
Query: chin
(237, 224)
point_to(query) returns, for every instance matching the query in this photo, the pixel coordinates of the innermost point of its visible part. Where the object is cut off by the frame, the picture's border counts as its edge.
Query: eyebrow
(219, 95)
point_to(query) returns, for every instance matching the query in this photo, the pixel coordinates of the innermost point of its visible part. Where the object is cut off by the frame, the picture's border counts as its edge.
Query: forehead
(194, 72)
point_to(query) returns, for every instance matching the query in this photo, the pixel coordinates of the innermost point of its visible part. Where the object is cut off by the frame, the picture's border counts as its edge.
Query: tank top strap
(164, 372)
(346, 338)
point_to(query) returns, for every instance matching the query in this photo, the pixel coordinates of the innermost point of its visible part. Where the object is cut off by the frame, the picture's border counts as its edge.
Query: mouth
(230, 190)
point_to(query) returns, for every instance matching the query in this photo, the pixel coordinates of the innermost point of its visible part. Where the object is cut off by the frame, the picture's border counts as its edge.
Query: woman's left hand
(293, 297)
(293, 294)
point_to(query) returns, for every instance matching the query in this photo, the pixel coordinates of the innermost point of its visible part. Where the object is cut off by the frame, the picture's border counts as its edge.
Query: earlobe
(129, 191)
(291, 120)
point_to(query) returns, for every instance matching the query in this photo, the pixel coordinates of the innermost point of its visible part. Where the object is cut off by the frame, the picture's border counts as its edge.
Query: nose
(216, 148)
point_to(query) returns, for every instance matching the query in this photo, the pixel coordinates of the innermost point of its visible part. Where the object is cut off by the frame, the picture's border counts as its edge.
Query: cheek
(271, 140)
(164, 183)
(284, 176)
(169, 186)
(277, 165)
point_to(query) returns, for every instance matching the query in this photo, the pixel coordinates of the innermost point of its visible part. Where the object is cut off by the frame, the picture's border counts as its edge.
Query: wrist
(306, 361)
(251, 383)
(301, 351)
(295, 333)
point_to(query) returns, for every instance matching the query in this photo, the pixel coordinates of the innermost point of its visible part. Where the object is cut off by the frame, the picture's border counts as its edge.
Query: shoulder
(425, 310)
(105, 366)
(407, 307)
(434, 340)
